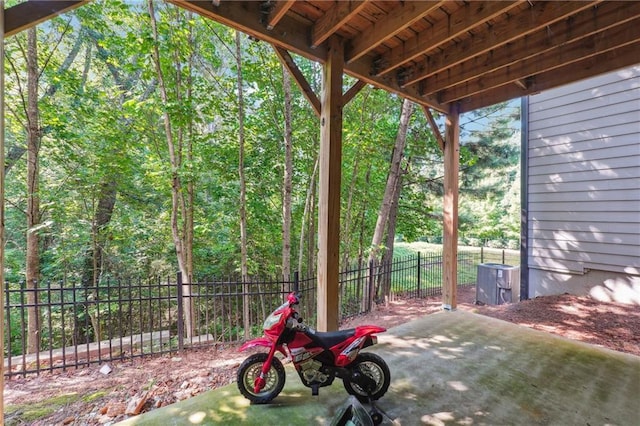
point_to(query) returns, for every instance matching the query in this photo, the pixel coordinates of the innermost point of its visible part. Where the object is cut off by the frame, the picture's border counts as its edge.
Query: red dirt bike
(317, 357)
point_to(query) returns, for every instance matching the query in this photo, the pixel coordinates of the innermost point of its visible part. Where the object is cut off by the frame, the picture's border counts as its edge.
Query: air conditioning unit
(497, 284)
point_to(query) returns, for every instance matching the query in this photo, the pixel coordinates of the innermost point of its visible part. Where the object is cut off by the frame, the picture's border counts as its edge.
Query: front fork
(260, 381)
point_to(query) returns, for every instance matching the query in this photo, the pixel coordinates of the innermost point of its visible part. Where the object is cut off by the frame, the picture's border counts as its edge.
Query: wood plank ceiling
(473, 53)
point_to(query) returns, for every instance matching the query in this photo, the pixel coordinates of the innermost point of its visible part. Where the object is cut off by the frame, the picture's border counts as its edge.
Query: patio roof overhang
(473, 53)
(449, 56)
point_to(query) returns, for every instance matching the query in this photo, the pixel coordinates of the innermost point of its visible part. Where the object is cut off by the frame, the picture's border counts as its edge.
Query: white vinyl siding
(584, 175)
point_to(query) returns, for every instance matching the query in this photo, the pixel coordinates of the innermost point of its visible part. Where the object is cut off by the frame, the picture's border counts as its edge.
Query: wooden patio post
(450, 208)
(329, 192)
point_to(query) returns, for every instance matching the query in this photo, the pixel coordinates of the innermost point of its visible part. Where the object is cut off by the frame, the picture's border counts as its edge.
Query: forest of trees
(143, 140)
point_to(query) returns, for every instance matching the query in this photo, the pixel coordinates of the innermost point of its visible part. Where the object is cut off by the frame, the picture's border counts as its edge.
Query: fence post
(503, 256)
(36, 307)
(419, 277)
(482, 254)
(370, 286)
(180, 314)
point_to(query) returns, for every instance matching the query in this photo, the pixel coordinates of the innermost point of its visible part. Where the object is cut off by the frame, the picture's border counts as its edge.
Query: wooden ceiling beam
(246, 16)
(400, 18)
(360, 70)
(469, 16)
(335, 17)
(590, 67)
(540, 15)
(560, 57)
(27, 14)
(280, 9)
(292, 36)
(586, 23)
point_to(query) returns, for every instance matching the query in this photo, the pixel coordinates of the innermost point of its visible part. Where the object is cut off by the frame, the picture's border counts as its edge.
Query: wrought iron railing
(80, 325)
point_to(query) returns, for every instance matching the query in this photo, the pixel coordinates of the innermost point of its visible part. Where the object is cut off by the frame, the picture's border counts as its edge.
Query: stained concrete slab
(452, 368)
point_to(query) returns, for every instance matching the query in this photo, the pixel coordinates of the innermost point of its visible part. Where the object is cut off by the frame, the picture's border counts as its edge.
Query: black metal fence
(78, 326)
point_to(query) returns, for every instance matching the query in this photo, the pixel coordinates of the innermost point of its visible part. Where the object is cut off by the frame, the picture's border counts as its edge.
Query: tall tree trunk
(306, 218)
(394, 171)
(189, 203)
(93, 262)
(387, 257)
(33, 198)
(177, 200)
(243, 194)
(32, 149)
(287, 181)
(361, 248)
(346, 225)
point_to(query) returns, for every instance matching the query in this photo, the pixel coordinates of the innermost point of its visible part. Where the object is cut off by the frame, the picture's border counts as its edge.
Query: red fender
(363, 330)
(348, 354)
(260, 341)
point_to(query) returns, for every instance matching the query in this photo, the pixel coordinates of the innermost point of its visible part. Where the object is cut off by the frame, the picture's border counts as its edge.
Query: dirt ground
(90, 397)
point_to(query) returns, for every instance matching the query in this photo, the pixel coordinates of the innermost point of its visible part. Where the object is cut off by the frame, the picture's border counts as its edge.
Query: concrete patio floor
(452, 368)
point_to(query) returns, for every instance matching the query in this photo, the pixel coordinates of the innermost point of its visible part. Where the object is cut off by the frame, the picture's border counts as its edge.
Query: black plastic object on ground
(353, 413)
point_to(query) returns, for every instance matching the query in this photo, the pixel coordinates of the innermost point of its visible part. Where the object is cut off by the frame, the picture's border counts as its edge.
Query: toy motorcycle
(317, 357)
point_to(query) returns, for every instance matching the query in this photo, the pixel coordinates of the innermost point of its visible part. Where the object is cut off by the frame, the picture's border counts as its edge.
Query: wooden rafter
(292, 36)
(280, 9)
(575, 51)
(361, 70)
(333, 20)
(540, 16)
(297, 75)
(32, 12)
(521, 84)
(399, 19)
(536, 44)
(471, 15)
(613, 59)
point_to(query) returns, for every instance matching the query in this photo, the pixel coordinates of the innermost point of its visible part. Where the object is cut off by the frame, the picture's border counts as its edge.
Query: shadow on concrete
(452, 368)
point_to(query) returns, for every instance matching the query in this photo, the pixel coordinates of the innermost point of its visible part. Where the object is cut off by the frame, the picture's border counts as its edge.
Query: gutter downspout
(524, 198)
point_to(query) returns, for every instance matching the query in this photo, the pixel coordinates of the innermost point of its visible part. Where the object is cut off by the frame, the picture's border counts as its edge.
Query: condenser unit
(497, 284)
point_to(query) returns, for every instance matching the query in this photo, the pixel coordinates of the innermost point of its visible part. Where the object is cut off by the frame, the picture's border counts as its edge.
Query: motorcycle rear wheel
(374, 367)
(250, 370)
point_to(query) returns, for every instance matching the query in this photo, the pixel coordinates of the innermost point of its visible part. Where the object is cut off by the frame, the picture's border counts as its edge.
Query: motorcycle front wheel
(249, 371)
(374, 367)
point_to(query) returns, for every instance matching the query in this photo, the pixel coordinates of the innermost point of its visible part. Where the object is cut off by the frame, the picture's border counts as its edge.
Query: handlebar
(296, 322)
(294, 298)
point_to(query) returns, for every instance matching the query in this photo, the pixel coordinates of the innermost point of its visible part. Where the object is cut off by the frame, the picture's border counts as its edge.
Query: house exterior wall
(583, 188)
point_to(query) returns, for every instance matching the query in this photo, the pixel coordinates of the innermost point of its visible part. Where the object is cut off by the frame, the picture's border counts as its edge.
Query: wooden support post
(450, 208)
(329, 193)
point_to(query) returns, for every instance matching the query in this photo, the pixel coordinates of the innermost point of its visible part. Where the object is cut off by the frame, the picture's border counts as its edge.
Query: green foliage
(101, 116)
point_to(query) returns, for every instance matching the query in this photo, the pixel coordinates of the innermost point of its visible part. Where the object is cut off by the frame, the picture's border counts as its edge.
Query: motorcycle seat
(331, 338)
